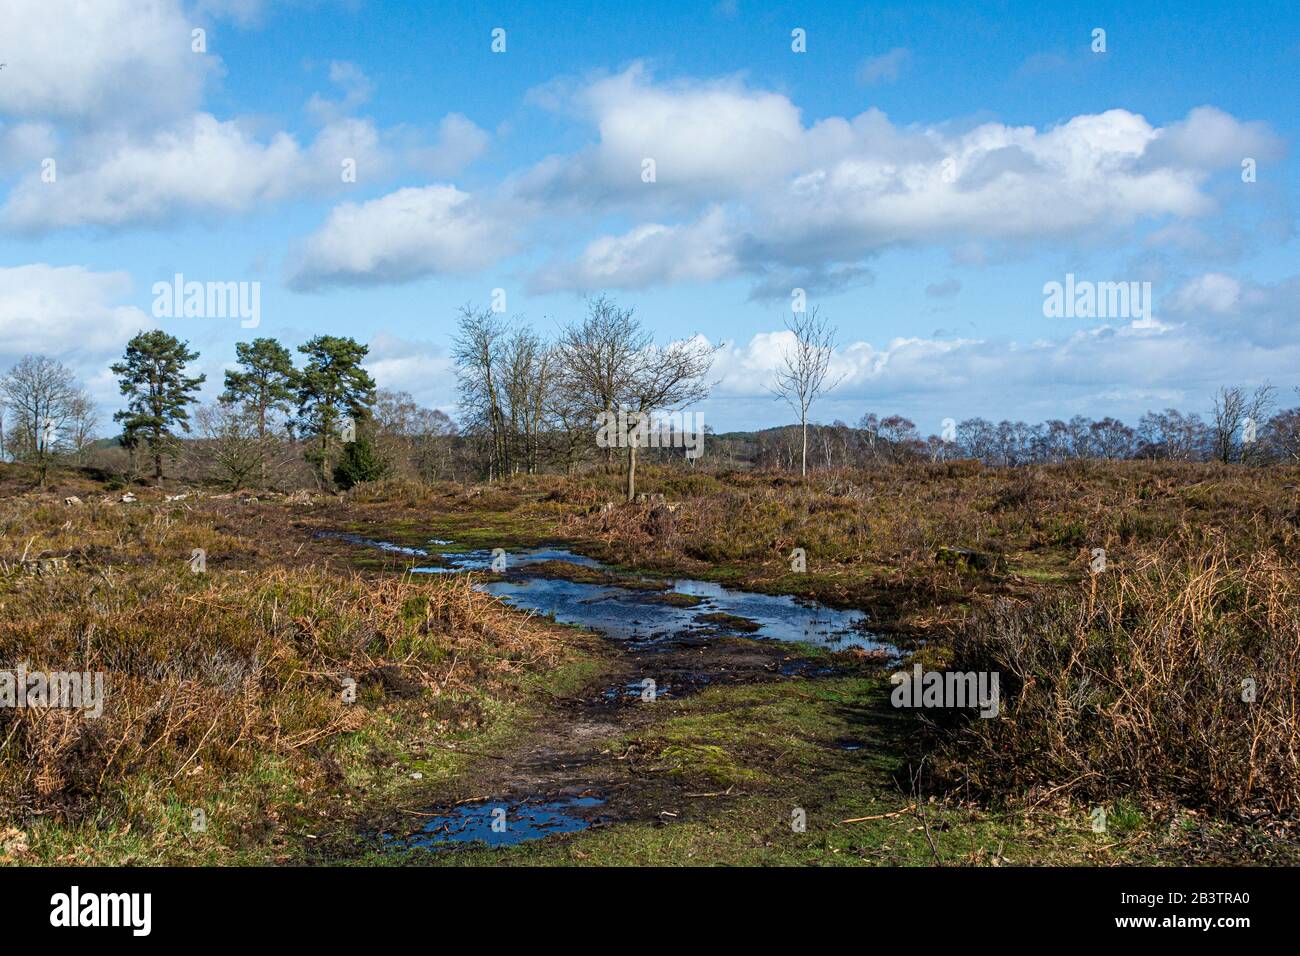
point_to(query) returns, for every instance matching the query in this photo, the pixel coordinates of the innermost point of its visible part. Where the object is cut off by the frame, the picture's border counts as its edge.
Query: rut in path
(573, 770)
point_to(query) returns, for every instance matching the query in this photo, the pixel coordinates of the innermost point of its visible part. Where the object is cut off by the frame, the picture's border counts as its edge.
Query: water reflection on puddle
(643, 615)
(502, 824)
(637, 615)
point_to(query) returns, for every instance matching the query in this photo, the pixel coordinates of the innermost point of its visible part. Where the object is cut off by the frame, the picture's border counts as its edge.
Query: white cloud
(421, 368)
(404, 235)
(709, 139)
(459, 143)
(649, 254)
(104, 62)
(198, 165)
(23, 145)
(355, 85)
(1246, 314)
(1212, 292)
(774, 195)
(1122, 371)
(66, 311)
(111, 91)
(1212, 139)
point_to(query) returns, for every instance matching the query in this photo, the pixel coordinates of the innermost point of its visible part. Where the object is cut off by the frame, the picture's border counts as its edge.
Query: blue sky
(775, 169)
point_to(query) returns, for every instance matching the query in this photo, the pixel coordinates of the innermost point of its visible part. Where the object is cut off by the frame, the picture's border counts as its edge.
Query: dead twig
(881, 816)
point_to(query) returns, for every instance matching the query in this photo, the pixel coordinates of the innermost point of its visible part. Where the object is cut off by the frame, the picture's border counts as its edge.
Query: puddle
(523, 821)
(482, 560)
(644, 616)
(373, 543)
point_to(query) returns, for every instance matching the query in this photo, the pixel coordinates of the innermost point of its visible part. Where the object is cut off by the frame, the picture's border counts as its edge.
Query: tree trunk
(803, 461)
(261, 446)
(631, 471)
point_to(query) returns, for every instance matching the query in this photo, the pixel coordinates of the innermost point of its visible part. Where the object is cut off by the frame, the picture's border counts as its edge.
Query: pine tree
(153, 377)
(359, 462)
(331, 388)
(266, 384)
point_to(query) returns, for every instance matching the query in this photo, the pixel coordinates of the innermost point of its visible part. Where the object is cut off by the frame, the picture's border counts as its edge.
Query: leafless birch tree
(801, 379)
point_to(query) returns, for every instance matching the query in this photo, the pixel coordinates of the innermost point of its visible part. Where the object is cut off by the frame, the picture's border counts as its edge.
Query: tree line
(274, 423)
(1243, 427)
(528, 403)
(531, 404)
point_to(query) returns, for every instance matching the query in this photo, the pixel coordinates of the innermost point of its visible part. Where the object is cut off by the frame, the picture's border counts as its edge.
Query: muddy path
(576, 764)
(579, 765)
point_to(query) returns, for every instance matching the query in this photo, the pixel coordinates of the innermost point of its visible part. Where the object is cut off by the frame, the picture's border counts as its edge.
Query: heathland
(300, 694)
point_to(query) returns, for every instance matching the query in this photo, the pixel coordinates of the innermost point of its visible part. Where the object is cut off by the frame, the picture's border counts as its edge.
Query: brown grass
(239, 671)
(1132, 685)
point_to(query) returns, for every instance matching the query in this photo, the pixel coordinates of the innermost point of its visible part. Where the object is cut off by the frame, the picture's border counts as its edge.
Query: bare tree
(1236, 411)
(477, 352)
(1284, 429)
(608, 364)
(1258, 410)
(230, 442)
(666, 379)
(569, 424)
(526, 373)
(1171, 434)
(1229, 412)
(417, 439)
(596, 359)
(83, 420)
(43, 399)
(801, 380)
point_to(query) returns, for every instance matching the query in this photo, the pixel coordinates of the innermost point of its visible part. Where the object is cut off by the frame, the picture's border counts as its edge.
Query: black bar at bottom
(335, 906)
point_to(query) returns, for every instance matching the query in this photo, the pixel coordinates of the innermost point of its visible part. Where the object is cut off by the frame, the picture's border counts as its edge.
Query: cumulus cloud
(649, 254)
(421, 368)
(1124, 371)
(197, 165)
(112, 91)
(1210, 139)
(1211, 292)
(1246, 313)
(202, 165)
(710, 139)
(743, 187)
(101, 62)
(404, 235)
(24, 145)
(355, 86)
(66, 312)
(739, 166)
(459, 143)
